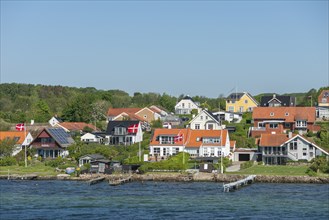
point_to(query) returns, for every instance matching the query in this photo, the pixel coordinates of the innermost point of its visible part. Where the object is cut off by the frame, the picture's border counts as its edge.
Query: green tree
(7, 147)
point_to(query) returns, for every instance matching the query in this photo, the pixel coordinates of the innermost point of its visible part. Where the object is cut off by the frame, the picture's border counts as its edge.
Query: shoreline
(177, 177)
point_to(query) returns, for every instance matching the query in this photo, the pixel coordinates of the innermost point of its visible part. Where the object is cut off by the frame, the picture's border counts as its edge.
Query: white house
(18, 137)
(54, 121)
(278, 148)
(123, 132)
(186, 105)
(198, 143)
(229, 116)
(93, 138)
(205, 120)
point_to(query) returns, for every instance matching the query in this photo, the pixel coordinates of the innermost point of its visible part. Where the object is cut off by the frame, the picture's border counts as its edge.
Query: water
(160, 200)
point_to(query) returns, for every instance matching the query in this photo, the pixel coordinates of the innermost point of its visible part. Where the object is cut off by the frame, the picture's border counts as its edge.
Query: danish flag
(178, 138)
(133, 128)
(20, 127)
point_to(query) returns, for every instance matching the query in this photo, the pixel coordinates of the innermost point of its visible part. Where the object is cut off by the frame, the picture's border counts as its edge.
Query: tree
(7, 147)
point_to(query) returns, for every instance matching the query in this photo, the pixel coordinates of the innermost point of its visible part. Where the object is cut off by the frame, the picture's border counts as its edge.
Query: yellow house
(240, 102)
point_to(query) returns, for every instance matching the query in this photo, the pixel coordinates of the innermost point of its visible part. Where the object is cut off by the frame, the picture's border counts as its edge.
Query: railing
(257, 128)
(292, 156)
(275, 154)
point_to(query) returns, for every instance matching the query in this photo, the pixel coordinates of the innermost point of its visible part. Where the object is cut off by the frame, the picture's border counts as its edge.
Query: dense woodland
(23, 102)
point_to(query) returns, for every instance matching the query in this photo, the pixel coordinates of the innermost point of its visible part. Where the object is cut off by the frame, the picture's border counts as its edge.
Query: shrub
(8, 161)
(246, 165)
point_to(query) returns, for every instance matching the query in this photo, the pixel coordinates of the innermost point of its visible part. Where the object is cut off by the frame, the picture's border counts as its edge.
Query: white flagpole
(183, 150)
(25, 145)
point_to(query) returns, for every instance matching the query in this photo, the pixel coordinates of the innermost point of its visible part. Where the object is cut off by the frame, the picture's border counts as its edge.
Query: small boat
(70, 170)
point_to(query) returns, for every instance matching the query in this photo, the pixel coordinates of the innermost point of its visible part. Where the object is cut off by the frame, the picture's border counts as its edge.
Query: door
(244, 157)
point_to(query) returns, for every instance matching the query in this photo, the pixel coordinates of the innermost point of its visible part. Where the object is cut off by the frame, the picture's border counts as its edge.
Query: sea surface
(160, 200)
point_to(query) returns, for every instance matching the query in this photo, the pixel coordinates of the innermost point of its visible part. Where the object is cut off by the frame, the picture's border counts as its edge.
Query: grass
(275, 170)
(37, 168)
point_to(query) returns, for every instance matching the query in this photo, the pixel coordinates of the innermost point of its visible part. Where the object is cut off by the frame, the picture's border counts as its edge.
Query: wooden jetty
(119, 181)
(238, 184)
(96, 180)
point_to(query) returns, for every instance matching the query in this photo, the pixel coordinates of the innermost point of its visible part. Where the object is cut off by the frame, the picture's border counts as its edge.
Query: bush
(54, 162)
(246, 165)
(8, 161)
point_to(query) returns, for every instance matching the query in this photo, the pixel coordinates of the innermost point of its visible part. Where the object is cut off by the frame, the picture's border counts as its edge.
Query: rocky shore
(177, 177)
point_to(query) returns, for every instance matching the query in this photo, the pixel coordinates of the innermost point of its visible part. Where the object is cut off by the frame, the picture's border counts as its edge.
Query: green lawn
(38, 168)
(275, 170)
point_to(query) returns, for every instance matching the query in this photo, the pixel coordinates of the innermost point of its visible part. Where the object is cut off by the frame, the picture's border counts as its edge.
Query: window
(212, 152)
(287, 125)
(273, 125)
(201, 117)
(245, 101)
(231, 108)
(119, 130)
(304, 154)
(210, 126)
(183, 105)
(287, 114)
(261, 125)
(311, 154)
(241, 109)
(145, 116)
(156, 151)
(301, 123)
(310, 147)
(197, 126)
(206, 117)
(189, 105)
(167, 140)
(272, 114)
(293, 145)
(210, 140)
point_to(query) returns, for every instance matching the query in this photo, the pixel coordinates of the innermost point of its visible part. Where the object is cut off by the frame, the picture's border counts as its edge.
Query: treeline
(23, 102)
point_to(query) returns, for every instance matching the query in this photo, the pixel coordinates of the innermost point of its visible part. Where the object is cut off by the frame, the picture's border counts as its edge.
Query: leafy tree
(7, 147)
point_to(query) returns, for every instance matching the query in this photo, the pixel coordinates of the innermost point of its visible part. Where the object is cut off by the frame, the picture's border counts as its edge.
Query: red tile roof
(118, 111)
(272, 140)
(288, 114)
(20, 135)
(77, 126)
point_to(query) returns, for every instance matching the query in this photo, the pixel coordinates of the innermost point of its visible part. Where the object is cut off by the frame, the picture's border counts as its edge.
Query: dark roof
(60, 136)
(235, 96)
(214, 116)
(188, 97)
(283, 99)
(112, 124)
(99, 134)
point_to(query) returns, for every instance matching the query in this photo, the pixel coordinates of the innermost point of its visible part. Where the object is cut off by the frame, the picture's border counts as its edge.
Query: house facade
(52, 142)
(278, 149)
(186, 105)
(205, 120)
(240, 102)
(18, 137)
(283, 119)
(198, 143)
(123, 132)
(323, 99)
(277, 101)
(229, 116)
(89, 158)
(93, 138)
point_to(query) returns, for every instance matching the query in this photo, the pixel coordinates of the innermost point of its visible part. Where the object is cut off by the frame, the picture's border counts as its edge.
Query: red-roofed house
(277, 149)
(18, 137)
(279, 120)
(75, 126)
(198, 143)
(322, 111)
(141, 114)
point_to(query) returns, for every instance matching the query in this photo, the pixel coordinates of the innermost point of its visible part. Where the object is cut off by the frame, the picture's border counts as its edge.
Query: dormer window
(287, 114)
(272, 114)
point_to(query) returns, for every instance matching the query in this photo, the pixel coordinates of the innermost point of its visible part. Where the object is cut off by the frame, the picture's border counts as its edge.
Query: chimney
(274, 95)
(289, 134)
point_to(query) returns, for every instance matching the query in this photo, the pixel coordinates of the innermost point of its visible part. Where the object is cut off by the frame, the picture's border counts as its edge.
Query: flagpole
(183, 150)
(25, 159)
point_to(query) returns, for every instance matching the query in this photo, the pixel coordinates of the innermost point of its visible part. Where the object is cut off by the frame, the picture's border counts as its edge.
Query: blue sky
(187, 47)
